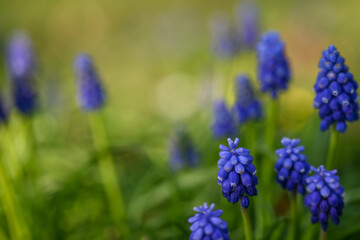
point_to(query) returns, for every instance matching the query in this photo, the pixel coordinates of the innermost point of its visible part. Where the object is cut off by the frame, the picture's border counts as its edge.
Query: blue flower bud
(245, 201)
(91, 95)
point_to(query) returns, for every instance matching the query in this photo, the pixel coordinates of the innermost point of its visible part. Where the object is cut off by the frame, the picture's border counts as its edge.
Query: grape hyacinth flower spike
(325, 196)
(335, 88)
(247, 19)
(91, 95)
(246, 107)
(223, 123)
(207, 224)
(224, 42)
(273, 67)
(182, 151)
(236, 173)
(292, 167)
(21, 67)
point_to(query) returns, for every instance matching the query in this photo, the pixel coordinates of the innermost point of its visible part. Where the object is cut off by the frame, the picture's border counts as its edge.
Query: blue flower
(207, 224)
(236, 173)
(291, 166)
(325, 196)
(223, 123)
(91, 95)
(182, 151)
(21, 65)
(335, 87)
(246, 107)
(3, 112)
(224, 41)
(273, 67)
(248, 25)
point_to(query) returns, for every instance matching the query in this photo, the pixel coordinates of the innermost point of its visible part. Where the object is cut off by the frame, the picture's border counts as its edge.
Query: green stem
(247, 223)
(17, 228)
(12, 155)
(293, 223)
(108, 173)
(333, 145)
(267, 165)
(271, 121)
(322, 235)
(31, 165)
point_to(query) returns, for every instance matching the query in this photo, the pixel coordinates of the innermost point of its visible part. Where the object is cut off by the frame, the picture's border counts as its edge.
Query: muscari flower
(335, 87)
(224, 41)
(207, 224)
(292, 166)
(3, 112)
(325, 196)
(21, 66)
(246, 107)
(247, 21)
(236, 173)
(182, 151)
(273, 67)
(223, 123)
(91, 95)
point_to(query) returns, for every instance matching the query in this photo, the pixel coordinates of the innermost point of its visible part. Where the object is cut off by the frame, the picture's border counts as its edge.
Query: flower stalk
(108, 172)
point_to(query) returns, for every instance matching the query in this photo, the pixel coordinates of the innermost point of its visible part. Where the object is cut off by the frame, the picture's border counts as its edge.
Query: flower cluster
(91, 95)
(335, 87)
(224, 41)
(273, 67)
(21, 65)
(292, 166)
(325, 196)
(247, 20)
(236, 173)
(223, 123)
(182, 151)
(207, 224)
(246, 107)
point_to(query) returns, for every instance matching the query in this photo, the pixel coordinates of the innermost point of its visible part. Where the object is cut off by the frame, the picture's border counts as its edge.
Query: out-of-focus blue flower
(246, 107)
(292, 166)
(335, 87)
(224, 40)
(207, 224)
(21, 66)
(273, 67)
(236, 173)
(223, 123)
(3, 112)
(248, 24)
(182, 151)
(91, 95)
(325, 196)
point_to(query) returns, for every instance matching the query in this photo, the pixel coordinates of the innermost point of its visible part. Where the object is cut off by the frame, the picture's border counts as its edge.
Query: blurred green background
(158, 68)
